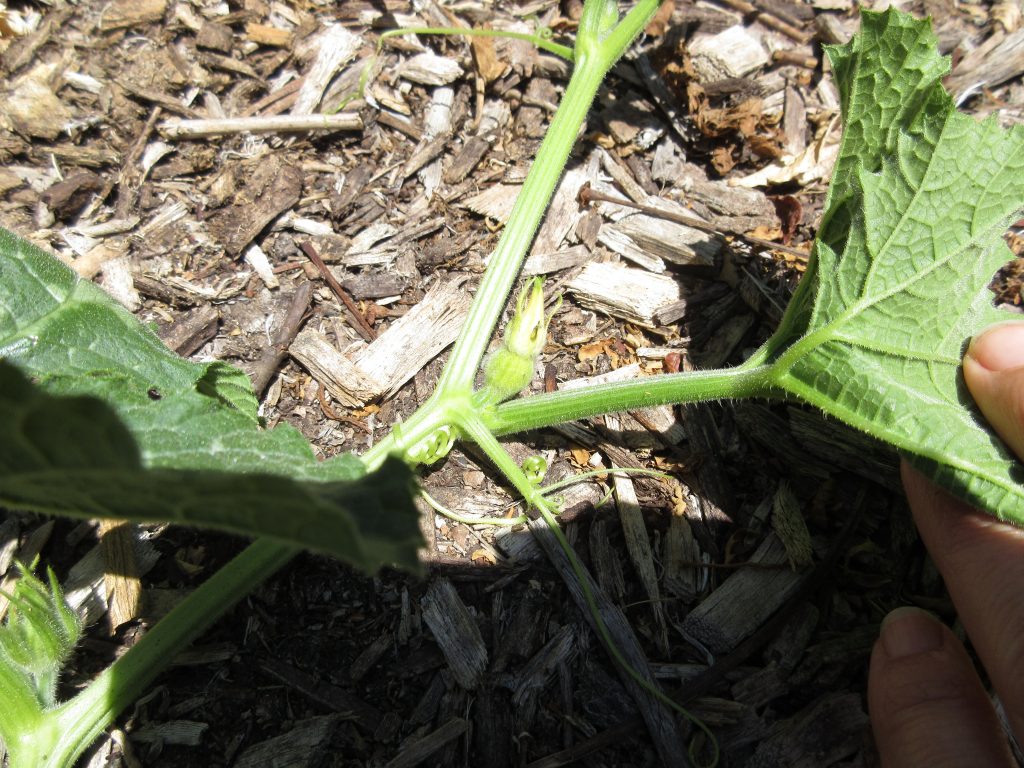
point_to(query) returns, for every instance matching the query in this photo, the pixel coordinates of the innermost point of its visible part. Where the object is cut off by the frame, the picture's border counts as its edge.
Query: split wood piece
(364, 715)
(418, 750)
(307, 743)
(998, 59)
(638, 545)
(346, 382)
(394, 357)
(334, 47)
(667, 102)
(563, 213)
(745, 600)
(123, 14)
(437, 130)
(732, 53)
(661, 721)
(467, 158)
(275, 102)
(10, 528)
(27, 553)
(760, 423)
(624, 292)
(605, 561)
(495, 202)
(22, 50)
(520, 547)
(495, 739)
(523, 632)
(546, 263)
(276, 352)
(533, 678)
(120, 573)
(724, 341)
(680, 577)
(430, 69)
(456, 633)
(194, 129)
(85, 587)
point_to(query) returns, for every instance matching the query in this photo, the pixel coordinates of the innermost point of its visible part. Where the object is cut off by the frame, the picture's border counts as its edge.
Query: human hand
(927, 703)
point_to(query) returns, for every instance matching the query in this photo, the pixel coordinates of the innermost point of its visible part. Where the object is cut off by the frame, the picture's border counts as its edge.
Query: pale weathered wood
(396, 355)
(430, 69)
(330, 50)
(346, 382)
(995, 61)
(545, 263)
(85, 587)
(734, 52)
(624, 292)
(745, 600)
(194, 129)
(455, 632)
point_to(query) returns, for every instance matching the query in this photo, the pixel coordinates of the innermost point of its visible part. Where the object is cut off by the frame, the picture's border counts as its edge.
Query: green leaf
(112, 424)
(912, 234)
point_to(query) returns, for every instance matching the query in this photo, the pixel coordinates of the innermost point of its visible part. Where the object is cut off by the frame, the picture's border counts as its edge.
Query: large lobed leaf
(912, 234)
(99, 419)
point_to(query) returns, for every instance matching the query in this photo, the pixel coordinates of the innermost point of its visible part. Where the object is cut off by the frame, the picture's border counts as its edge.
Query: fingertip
(927, 705)
(999, 348)
(993, 369)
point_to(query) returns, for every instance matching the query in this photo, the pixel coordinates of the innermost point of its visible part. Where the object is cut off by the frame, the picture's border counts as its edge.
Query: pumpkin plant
(98, 419)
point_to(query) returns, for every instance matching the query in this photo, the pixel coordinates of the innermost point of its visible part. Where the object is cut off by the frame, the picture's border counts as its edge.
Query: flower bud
(510, 368)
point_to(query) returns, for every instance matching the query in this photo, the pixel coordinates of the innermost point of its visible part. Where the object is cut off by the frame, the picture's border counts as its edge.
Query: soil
(208, 239)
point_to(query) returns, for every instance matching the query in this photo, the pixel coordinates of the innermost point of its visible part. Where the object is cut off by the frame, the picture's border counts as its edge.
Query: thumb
(994, 372)
(928, 708)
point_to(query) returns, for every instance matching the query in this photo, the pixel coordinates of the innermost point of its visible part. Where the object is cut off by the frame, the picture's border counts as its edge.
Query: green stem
(546, 410)
(533, 199)
(82, 719)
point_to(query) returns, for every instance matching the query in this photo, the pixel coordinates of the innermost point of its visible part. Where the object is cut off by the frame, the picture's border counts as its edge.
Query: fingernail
(1000, 347)
(909, 631)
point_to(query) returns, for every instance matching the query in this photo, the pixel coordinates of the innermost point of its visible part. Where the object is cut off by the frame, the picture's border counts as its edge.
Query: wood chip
(121, 572)
(624, 292)
(262, 34)
(638, 545)
(334, 47)
(396, 355)
(734, 52)
(122, 14)
(456, 632)
(745, 600)
(306, 743)
(430, 69)
(272, 188)
(418, 750)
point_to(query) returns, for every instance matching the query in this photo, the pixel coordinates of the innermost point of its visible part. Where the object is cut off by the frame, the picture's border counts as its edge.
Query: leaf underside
(912, 234)
(99, 419)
